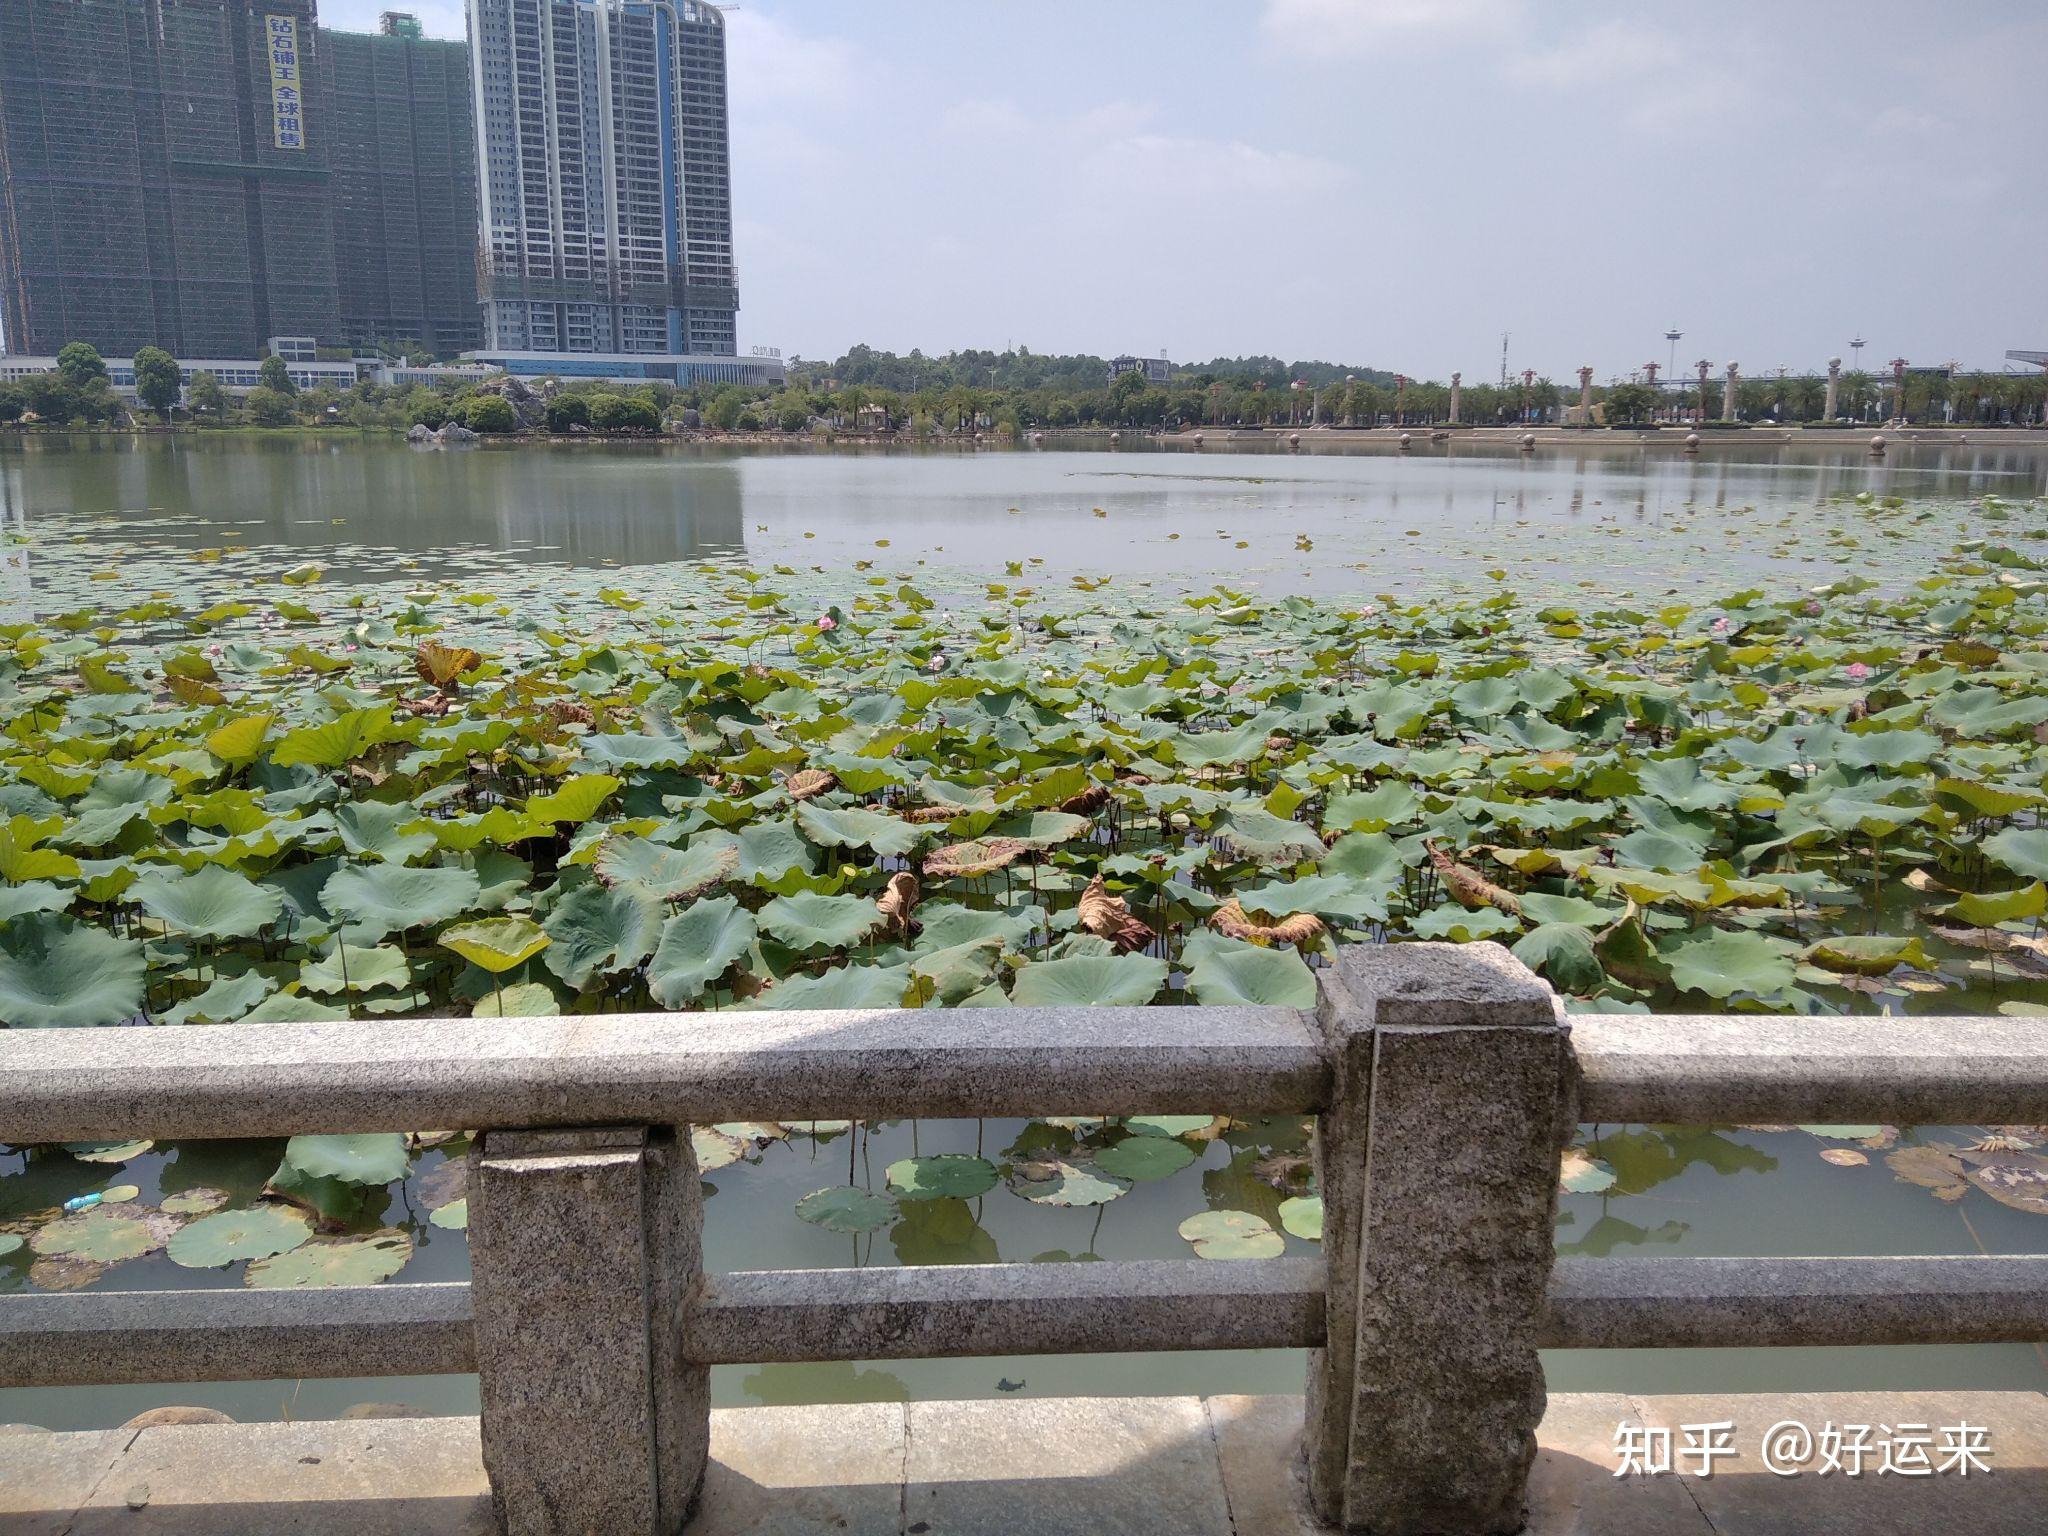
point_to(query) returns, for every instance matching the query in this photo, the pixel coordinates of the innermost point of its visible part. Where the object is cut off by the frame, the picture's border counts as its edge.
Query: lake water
(1632, 515)
(1619, 517)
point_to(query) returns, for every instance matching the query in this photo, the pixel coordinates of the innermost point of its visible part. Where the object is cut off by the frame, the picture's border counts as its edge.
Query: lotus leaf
(597, 930)
(371, 830)
(669, 874)
(521, 1000)
(453, 1217)
(373, 1158)
(1723, 963)
(97, 1234)
(355, 968)
(377, 899)
(843, 1208)
(333, 1261)
(1144, 1158)
(36, 896)
(211, 902)
(497, 944)
(1249, 974)
(1168, 1125)
(697, 946)
(889, 836)
(56, 973)
(1865, 954)
(1302, 1215)
(224, 1000)
(107, 1151)
(1232, 1235)
(944, 1175)
(193, 1202)
(808, 920)
(714, 1148)
(1065, 1182)
(226, 1236)
(843, 986)
(1089, 980)
(336, 742)
(1583, 1174)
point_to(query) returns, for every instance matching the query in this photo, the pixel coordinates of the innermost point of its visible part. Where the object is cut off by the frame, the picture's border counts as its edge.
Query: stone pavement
(1163, 1466)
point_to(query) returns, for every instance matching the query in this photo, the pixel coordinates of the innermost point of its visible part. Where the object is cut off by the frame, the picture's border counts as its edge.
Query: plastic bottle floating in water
(83, 1202)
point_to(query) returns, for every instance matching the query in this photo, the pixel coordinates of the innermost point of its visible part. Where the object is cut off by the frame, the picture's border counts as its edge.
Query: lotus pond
(235, 789)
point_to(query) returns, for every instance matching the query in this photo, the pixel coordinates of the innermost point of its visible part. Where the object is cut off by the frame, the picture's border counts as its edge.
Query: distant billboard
(287, 97)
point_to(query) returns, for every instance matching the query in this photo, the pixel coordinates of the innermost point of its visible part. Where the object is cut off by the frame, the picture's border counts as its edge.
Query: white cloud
(1613, 50)
(1328, 28)
(770, 62)
(1213, 169)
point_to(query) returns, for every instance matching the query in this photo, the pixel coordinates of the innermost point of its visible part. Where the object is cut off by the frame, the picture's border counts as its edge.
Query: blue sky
(1388, 182)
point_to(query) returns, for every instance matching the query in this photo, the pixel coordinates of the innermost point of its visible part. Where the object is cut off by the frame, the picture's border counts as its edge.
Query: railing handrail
(1769, 1069)
(370, 1075)
(578, 1116)
(232, 1080)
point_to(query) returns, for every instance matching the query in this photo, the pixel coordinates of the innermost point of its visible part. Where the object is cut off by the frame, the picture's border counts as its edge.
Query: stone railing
(1445, 1077)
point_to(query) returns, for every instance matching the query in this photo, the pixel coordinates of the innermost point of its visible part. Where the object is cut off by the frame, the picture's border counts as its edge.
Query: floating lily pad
(107, 1151)
(714, 1148)
(226, 1236)
(1584, 1174)
(194, 1202)
(333, 1261)
(100, 1235)
(9, 1243)
(1065, 1182)
(454, 1217)
(1843, 1132)
(119, 1194)
(376, 1158)
(1303, 1216)
(1168, 1125)
(842, 1208)
(1232, 1235)
(957, 1175)
(1144, 1158)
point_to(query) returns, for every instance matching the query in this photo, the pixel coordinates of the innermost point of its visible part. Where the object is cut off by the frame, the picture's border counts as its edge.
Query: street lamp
(1674, 336)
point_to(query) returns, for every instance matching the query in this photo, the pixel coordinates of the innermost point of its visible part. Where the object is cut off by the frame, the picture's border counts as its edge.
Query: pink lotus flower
(826, 623)
(936, 664)
(1858, 671)
(1813, 605)
(1720, 626)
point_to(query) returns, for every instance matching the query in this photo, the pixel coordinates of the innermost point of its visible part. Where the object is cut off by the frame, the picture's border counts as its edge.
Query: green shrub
(489, 413)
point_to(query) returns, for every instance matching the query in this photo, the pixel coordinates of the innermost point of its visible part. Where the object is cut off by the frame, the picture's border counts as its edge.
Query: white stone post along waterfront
(1585, 397)
(1728, 393)
(1438, 1165)
(1457, 396)
(1827, 410)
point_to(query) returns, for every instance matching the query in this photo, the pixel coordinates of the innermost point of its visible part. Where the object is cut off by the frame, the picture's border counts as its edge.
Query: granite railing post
(584, 1246)
(1437, 1161)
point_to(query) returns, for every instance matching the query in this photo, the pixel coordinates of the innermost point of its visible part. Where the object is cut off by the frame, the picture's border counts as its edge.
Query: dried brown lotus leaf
(1470, 889)
(809, 783)
(1109, 917)
(1233, 922)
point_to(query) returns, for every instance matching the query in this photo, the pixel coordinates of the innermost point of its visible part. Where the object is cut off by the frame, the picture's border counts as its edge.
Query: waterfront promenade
(1219, 1466)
